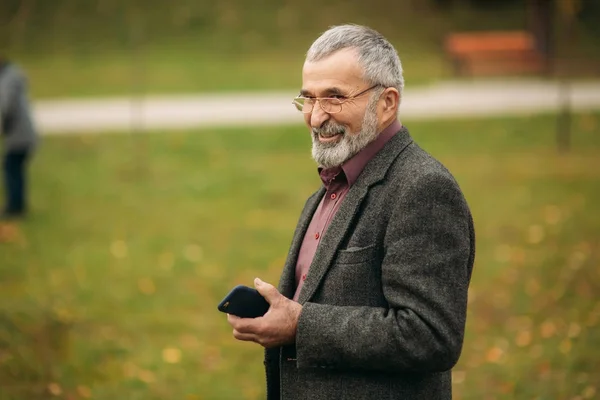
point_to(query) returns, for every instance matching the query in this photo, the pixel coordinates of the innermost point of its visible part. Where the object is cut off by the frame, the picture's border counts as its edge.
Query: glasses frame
(319, 100)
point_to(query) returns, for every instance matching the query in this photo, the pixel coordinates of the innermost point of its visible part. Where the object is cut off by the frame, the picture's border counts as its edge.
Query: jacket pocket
(356, 255)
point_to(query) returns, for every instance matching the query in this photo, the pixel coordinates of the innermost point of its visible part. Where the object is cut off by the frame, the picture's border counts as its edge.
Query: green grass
(160, 71)
(109, 289)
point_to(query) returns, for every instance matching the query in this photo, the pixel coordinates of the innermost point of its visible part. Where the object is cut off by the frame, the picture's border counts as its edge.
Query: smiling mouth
(330, 133)
(330, 137)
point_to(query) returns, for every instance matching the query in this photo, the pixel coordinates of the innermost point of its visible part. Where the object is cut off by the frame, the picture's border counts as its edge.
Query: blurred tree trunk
(568, 10)
(541, 18)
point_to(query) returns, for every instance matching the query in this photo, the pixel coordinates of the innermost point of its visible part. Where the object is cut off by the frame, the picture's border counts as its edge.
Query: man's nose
(318, 116)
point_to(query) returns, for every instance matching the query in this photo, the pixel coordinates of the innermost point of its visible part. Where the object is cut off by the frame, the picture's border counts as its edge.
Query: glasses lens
(303, 104)
(298, 103)
(331, 105)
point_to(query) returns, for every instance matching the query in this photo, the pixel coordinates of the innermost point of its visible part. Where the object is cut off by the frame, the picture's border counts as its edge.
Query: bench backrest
(491, 41)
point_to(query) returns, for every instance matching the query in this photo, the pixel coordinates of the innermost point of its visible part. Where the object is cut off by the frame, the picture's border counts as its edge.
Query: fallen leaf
(552, 215)
(536, 234)
(565, 346)
(130, 370)
(54, 389)
(548, 329)
(171, 355)
(574, 330)
(532, 287)
(146, 286)
(118, 249)
(84, 391)
(523, 338)
(589, 392)
(146, 376)
(190, 341)
(458, 377)
(9, 233)
(494, 354)
(193, 253)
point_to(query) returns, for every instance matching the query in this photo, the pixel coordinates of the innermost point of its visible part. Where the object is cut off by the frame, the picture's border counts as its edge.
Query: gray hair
(376, 55)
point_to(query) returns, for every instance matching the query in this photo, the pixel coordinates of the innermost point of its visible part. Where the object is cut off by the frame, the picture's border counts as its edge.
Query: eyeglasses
(331, 105)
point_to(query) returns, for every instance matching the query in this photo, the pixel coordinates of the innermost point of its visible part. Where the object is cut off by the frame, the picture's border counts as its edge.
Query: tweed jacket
(384, 301)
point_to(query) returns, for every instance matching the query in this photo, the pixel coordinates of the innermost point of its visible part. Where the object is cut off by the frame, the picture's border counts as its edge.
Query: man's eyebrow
(335, 91)
(332, 91)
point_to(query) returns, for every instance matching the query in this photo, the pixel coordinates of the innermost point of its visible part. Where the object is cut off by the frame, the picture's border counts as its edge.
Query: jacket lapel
(340, 225)
(287, 282)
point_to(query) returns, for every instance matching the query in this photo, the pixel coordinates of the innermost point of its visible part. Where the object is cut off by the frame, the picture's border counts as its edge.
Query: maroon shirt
(337, 181)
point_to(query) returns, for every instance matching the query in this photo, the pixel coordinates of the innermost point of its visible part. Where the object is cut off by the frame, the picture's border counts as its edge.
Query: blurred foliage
(109, 290)
(105, 47)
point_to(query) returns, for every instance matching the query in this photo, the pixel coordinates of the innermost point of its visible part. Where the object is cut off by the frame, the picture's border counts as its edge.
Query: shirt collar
(352, 168)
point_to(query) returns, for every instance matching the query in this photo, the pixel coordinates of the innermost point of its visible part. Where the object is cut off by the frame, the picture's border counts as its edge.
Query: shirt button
(333, 196)
(317, 236)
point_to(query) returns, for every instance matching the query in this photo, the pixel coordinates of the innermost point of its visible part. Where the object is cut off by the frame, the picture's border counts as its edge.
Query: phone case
(244, 302)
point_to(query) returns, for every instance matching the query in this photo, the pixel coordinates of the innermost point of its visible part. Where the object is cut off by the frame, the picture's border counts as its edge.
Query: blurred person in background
(372, 300)
(19, 136)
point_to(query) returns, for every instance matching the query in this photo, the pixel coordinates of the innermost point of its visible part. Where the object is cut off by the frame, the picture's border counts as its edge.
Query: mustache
(329, 129)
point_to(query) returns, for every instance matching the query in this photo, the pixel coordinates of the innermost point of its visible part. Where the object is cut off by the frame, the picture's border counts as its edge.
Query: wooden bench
(493, 53)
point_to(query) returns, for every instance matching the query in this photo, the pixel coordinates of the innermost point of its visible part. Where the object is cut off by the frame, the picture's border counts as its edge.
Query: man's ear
(390, 103)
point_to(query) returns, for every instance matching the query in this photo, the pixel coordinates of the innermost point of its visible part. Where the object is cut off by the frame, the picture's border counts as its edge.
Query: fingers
(246, 337)
(268, 291)
(244, 325)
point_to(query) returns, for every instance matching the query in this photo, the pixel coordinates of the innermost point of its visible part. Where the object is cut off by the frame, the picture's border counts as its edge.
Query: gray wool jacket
(385, 298)
(18, 130)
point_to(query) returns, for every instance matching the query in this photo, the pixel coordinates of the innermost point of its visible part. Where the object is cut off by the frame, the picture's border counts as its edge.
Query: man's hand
(277, 327)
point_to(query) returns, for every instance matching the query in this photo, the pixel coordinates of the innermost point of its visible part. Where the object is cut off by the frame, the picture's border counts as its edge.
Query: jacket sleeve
(10, 84)
(426, 269)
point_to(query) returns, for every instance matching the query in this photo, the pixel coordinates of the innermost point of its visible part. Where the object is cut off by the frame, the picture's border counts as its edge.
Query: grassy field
(109, 289)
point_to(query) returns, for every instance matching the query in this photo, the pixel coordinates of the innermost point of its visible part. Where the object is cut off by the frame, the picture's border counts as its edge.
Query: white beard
(328, 155)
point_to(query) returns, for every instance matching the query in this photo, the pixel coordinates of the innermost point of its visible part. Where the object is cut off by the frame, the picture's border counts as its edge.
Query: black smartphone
(244, 302)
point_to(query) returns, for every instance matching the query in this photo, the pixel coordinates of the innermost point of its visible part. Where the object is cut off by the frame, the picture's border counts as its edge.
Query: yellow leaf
(548, 329)
(84, 391)
(565, 346)
(589, 392)
(9, 233)
(171, 355)
(552, 215)
(146, 286)
(118, 249)
(146, 376)
(536, 234)
(130, 369)
(532, 287)
(494, 354)
(193, 253)
(190, 341)
(574, 330)
(54, 389)
(576, 260)
(458, 377)
(523, 338)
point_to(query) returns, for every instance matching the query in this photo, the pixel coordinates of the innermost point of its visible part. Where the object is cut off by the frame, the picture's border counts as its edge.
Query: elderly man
(373, 296)
(19, 134)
